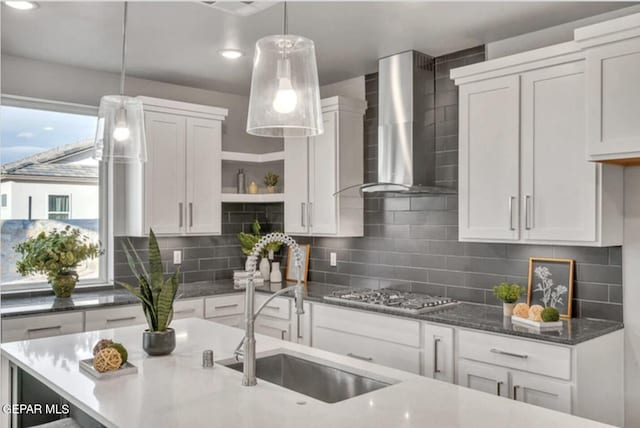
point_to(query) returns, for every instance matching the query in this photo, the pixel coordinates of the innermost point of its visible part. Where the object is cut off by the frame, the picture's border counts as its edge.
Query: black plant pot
(156, 343)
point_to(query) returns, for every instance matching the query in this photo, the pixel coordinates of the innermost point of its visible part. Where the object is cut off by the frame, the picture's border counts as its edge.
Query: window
(48, 169)
(3, 200)
(59, 207)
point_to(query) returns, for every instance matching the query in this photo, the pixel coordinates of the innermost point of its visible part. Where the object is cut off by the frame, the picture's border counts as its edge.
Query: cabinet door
(41, 326)
(165, 173)
(274, 327)
(438, 352)
(482, 377)
(489, 159)
(559, 187)
(541, 391)
(204, 164)
(322, 178)
(613, 100)
(296, 185)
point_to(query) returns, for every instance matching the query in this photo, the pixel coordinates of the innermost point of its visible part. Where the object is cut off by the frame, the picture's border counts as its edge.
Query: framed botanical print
(551, 284)
(290, 274)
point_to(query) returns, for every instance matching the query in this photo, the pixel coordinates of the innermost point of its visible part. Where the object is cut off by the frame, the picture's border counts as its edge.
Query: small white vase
(265, 268)
(507, 309)
(276, 275)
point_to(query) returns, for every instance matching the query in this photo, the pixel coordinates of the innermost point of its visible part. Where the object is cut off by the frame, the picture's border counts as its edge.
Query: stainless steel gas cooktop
(391, 300)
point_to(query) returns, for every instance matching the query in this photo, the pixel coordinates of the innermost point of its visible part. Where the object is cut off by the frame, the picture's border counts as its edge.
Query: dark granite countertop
(466, 315)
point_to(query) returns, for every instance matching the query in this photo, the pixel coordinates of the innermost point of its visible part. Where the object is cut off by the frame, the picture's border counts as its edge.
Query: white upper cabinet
(612, 50)
(316, 168)
(523, 174)
(181, 180)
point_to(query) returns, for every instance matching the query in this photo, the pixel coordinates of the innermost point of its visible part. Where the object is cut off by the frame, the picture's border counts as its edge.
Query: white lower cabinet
(121, 316)
(483, 377)
(226, 309)
(275, 318)
(34, 327)
(191, 308)
(437, 353)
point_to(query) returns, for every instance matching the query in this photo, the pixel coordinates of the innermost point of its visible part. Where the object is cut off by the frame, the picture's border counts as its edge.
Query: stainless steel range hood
(406, 138)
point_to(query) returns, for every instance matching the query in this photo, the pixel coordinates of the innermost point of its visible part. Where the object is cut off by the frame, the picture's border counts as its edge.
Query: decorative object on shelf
(249, 240)
(253, 188)
(550, 314)
(521, 310)
(56, 254)
(271, 181)
(264, 268)
(538, 326)
(285, 96)
(551, 284)
(101, 344)
(120, 135)
(107, 359)
(276, 275)
(509, 294)
(241, 182)
(88, 367)
(157, 295)
(305, 250)
(535, 313)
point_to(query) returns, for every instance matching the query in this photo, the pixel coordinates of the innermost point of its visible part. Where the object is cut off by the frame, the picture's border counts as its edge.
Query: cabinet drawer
(41, 326)
(230, 320)
(279, 307)
(274, 327)
(123, 316)
(193, 308)
(535, 357)
(368, 349)
(385, 327)
(224, 305)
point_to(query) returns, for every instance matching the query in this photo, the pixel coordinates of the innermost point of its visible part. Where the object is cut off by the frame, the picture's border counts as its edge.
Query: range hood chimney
(406, 140)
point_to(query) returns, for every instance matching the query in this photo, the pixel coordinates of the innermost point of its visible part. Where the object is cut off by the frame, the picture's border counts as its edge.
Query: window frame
(68, 212)
(105, 199)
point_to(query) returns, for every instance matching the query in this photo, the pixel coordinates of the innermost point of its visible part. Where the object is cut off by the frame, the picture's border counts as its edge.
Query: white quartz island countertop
(175, 391)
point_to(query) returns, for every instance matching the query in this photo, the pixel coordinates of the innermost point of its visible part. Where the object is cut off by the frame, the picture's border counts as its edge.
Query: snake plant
(156, 292)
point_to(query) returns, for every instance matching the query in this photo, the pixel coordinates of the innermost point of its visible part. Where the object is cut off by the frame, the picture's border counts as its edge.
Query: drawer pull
(435, 356)
(498, 385)
(274, 308)
(185, 311)
(53, 327)
(358, 357)
(509, 354)
(515, 392)
(121, 319)
(233, 305)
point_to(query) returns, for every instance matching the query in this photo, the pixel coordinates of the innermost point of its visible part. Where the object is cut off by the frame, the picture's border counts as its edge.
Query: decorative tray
(86, 366)
(537, 325)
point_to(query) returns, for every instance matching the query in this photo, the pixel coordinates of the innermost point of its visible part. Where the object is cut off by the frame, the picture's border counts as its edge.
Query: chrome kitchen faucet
(248, 354)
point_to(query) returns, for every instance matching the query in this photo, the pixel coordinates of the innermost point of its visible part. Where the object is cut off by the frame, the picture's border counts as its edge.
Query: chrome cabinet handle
(298, 324)
(53, 327)
(310, 214)
(302, 216)
(527, 212)
(435, 356)
(359, 357)
(121, 319)
(511, 199)
(508, 354)
(190, 214)
(180, 214)
(498, 385)
(226, 306)
(515, 392)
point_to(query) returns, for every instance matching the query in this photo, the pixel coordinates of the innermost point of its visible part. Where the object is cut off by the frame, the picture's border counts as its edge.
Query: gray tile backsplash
(410, 242)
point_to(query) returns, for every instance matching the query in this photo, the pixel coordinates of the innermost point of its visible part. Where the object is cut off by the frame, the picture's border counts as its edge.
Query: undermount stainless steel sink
(317, 380)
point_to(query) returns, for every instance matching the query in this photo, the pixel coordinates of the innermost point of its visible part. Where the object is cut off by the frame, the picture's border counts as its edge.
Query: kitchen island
(175, 391)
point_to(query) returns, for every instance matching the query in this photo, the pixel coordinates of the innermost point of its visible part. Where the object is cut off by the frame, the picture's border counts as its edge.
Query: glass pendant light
(285, 96)
(120, 136)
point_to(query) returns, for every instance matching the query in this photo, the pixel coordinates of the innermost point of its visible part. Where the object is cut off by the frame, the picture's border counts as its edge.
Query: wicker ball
(521, 310)
(103, 343)
(535, 312)
(107, 359)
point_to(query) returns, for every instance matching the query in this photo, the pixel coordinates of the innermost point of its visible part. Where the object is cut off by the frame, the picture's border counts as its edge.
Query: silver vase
(157, 343)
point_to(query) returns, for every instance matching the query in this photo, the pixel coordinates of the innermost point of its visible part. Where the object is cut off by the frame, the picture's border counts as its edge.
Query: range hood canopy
(406, 139)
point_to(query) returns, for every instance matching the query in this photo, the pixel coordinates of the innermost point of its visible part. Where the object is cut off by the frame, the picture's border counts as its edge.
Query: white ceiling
(177, 41)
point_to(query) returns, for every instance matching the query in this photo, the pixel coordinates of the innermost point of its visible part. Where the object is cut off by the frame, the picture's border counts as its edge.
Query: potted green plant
(509, 294)
(271, 181)
(56, 254)
(157, 295)
(249, 240)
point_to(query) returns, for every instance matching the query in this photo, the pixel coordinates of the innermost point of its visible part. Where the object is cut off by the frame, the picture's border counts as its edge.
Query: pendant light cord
(285, 23)
(124, 48)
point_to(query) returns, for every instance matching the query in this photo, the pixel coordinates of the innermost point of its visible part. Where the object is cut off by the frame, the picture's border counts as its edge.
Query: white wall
(37, 79)
(631, 290)
(83, 198)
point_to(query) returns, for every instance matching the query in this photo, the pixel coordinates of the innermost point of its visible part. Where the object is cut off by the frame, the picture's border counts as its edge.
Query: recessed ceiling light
(22, 5)
(231, 53)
